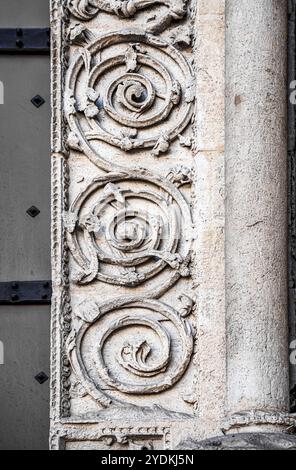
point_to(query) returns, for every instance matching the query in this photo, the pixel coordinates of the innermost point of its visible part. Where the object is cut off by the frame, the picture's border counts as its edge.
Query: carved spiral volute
(126, 346)
(113, 239)
(138, 94)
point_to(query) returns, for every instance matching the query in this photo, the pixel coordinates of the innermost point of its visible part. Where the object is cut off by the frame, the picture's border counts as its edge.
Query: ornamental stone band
(169, 224)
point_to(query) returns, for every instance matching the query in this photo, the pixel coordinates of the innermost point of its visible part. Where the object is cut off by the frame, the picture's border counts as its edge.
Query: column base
(258, 420)
(246, 441)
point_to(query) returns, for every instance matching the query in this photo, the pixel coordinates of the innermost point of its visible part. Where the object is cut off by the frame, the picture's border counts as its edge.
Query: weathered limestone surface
(252, 441)
(209, 211)
(138, 333)
(292, 193)
(256, 206)
(169, 318)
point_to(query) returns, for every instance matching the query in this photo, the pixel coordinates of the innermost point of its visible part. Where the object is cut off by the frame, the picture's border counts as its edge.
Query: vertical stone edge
(209, 213)
(292, 195)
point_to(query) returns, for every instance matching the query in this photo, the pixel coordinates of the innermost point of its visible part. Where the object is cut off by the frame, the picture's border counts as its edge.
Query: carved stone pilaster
(124, 317)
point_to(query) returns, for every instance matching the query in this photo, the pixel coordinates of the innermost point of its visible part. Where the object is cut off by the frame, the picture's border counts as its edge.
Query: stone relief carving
(123, 94)
(85, 10)
(131, 98)
(114, 438)
(127, 442)
(124, 225)
(114, 240)
(151, 375)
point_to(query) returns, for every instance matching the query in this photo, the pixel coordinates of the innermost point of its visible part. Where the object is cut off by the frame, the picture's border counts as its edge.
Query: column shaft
(256, 206)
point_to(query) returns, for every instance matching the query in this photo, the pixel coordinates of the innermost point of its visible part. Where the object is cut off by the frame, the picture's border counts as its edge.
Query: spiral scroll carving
(132, 99)
(140, 368)
(128, 97)
(114, 240)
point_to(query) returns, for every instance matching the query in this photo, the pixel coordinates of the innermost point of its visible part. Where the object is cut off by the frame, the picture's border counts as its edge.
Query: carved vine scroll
(162, 372)
(136, 244)
(85, 10)
(132, 90)
(123, 234)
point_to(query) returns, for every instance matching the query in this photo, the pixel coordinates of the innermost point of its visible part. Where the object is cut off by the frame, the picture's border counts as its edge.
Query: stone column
(256, 214)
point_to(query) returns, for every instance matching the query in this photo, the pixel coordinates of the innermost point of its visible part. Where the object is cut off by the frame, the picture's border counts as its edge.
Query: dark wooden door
(24, 233)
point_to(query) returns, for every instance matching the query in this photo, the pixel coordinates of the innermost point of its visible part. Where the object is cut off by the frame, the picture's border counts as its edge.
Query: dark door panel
(25, 169)
(24, 402)
(24, 232)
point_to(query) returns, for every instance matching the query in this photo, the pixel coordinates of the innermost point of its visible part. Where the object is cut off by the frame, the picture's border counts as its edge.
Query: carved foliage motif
(134, 98)
(129, 91)
(114, 438)
(116, 241)
(85, 10)
(151, 375)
